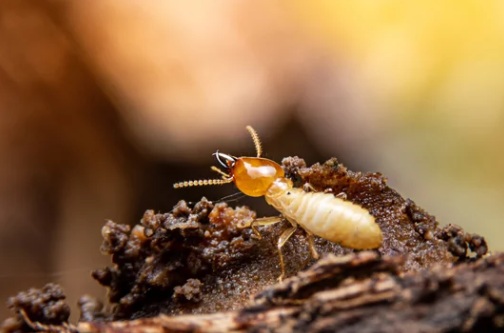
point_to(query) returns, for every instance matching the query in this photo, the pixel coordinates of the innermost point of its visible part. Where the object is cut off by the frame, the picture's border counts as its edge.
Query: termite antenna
(255, 138)
(201, 182)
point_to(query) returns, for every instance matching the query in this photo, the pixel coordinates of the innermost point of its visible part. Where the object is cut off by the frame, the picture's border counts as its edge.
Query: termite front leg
(220, 172)
(284, 237)
(264, 221)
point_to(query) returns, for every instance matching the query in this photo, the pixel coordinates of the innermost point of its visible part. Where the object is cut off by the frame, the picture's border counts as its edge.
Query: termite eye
(253, 176)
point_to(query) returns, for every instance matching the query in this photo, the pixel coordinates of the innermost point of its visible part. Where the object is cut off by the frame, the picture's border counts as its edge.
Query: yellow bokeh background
(436, 69)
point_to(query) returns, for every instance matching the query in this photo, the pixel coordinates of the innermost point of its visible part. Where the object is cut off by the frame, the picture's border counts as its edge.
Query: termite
(318, 213)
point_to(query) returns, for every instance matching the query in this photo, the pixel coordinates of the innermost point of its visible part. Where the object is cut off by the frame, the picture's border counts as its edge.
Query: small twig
(37, 326)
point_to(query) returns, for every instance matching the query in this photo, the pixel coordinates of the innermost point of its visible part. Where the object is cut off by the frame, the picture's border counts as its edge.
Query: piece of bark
(360, 292)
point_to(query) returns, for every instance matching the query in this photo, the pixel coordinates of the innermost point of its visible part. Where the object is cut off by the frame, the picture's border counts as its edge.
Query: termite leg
(341, 195)
(311, 245)
(307, 187)
(284, 237)
(220, 172)
(264, 221)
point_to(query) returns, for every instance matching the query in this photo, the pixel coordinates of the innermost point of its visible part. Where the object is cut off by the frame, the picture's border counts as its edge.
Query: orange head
(252, 175)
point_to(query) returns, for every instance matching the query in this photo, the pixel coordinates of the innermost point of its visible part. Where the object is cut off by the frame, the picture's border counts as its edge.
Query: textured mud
(197, 259)
(165, 262)
(46, 306)
(407, 228)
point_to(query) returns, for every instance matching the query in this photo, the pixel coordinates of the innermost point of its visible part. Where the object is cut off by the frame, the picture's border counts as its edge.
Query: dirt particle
(190, 291)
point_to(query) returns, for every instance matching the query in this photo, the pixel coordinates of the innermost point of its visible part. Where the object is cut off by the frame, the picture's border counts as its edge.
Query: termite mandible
(318, 213)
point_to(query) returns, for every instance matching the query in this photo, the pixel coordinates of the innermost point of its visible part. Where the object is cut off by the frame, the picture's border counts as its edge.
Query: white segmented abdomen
(331, 218)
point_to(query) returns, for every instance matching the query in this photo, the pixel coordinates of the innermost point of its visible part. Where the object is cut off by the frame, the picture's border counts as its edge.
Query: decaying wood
(195, 270)
(360, 292)
(157, 262)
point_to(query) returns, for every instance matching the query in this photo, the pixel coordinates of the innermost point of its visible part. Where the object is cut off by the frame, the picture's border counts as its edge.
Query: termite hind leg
(284, 237)
(264, 221)
(341, 195)
(311, 245)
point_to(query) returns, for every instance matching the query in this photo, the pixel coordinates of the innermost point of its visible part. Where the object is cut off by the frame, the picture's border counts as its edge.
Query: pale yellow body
(326, 216)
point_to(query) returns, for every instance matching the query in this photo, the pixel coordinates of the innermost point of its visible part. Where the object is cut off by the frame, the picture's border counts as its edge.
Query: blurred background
(104, 104)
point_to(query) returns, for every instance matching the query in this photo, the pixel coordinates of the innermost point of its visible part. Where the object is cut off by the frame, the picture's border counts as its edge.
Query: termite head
(251, 175)
(254, 175)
